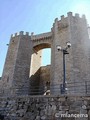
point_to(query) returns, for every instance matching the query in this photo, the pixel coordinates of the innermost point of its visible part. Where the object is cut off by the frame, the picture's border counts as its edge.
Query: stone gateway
(24, 78)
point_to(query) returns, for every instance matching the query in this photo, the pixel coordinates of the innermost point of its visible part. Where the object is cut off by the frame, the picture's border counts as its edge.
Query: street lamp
(64, 51)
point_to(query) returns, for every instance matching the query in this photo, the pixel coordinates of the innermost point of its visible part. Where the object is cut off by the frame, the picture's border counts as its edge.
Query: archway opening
(40, 70)
(45, 70)
(46, 57)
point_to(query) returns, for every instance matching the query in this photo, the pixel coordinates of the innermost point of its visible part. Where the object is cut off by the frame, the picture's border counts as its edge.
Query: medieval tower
(22, 74)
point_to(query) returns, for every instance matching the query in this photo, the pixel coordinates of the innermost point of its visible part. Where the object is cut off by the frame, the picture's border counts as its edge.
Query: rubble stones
(42, 108)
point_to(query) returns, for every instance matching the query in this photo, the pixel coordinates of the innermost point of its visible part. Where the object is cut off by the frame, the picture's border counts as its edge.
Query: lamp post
(64, 51)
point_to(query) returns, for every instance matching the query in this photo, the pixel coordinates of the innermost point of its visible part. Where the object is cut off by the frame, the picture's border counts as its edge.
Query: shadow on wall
(36, 85)
(1, 117)
(40, 81)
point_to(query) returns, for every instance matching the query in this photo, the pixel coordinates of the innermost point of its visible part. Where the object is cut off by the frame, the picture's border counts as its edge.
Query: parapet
(41, 36)
(69, 15)
(63, 23)
(33, 37)
(20, 34)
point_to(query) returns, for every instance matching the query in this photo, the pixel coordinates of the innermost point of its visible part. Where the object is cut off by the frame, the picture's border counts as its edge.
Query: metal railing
(72, 88)
(78, 88)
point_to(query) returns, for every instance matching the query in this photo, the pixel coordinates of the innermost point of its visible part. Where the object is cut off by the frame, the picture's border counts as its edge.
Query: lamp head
(68, 44)
(58, 47)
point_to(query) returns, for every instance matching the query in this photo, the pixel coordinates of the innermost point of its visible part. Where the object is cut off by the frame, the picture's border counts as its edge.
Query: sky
(34, 16)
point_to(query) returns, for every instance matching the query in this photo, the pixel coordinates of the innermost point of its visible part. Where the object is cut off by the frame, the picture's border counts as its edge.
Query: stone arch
(42, 46)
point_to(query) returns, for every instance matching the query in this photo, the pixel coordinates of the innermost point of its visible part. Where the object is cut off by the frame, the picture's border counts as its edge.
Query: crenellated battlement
(33, 37)
(63, 22)
(70, 14)
(20, 34)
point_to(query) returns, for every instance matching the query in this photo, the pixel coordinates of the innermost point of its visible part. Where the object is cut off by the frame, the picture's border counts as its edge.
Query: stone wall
(15, 78)
(72, 28)
(23, 59)
(45, 108)
(45, 74)
(39, 81)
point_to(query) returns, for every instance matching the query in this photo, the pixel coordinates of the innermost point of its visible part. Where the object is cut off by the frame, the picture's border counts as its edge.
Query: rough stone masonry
(23, 60)
(24, 76)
